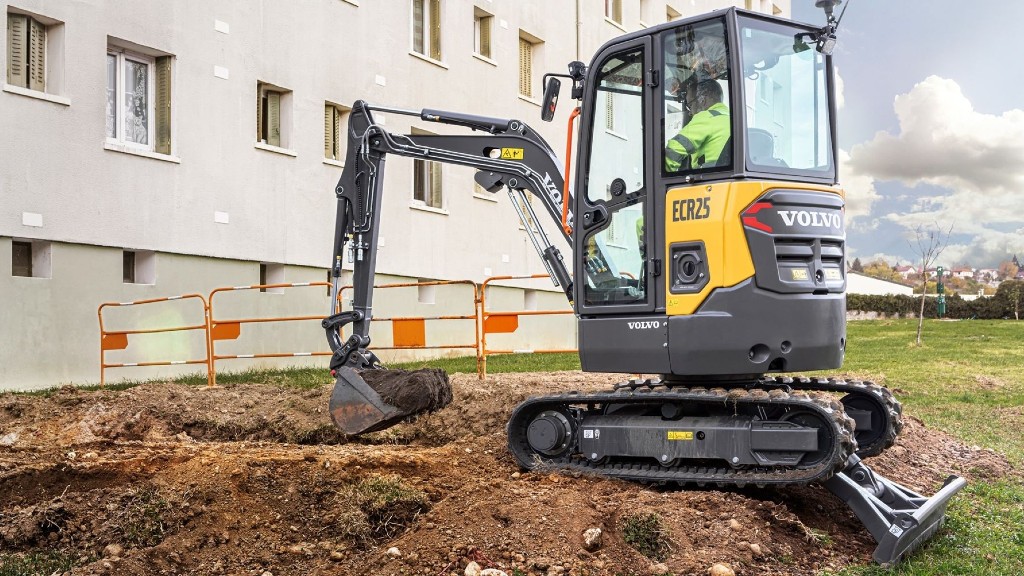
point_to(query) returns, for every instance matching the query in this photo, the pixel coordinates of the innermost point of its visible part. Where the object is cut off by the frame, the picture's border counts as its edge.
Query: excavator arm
(507, 154)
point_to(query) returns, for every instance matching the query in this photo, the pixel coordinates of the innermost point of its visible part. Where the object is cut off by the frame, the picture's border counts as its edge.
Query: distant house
(986, 275)
(861, 284)
(905, 271)
(963, 272)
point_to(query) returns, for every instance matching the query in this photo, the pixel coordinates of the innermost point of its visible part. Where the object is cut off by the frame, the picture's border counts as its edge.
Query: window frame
(424, 170)
(525, 67)
(483, 21)
(431, 9)
(15, 245)
(336, 140)
(122, 55)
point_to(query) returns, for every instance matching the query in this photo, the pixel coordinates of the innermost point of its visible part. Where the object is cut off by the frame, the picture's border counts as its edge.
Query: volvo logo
(645, 325)
(813, 219)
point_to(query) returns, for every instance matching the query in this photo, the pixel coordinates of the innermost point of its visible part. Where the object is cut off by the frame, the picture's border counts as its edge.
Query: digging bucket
(356, 408)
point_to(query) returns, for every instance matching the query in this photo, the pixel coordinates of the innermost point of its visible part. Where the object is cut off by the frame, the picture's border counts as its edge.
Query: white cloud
(978, 159)
(860, 191)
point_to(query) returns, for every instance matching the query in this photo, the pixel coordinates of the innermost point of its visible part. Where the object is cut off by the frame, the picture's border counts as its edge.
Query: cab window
(698, 125)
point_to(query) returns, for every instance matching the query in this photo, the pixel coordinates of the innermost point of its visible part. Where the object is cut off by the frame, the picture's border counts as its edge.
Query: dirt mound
(412, 391)
(171, 479)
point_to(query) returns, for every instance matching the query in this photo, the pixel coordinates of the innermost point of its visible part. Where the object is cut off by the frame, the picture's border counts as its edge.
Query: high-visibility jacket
(701, 141)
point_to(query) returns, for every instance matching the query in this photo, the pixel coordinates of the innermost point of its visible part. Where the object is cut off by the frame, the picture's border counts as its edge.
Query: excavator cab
(708, 251)
(706, 177)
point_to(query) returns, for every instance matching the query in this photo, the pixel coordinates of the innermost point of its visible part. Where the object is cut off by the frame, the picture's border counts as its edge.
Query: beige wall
(59, 183)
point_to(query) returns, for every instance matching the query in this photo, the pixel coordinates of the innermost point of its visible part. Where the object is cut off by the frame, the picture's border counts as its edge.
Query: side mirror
(550, 102)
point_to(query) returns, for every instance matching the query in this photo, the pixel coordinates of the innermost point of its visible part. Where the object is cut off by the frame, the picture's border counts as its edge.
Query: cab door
(614, 286)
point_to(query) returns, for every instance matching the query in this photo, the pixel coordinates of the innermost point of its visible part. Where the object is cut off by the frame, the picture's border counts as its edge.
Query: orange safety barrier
(231, 329)
(409, 332)
(508, 322)
(118, 339)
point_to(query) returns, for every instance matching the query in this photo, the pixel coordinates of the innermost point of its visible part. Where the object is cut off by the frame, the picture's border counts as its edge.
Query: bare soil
(250, 479)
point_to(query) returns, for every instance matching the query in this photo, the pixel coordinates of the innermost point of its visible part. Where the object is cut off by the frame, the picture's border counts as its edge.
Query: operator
(701, 141)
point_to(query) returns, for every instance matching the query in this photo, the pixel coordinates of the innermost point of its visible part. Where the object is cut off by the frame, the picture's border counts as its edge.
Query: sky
(931, 126)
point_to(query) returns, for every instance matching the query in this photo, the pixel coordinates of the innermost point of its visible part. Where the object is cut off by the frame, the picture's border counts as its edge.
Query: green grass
(32, 563)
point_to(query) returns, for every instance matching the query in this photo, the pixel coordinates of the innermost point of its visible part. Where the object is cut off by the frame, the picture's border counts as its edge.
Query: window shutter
(163, 104)
(259, 112)
(435, 29)
(485, 36)
(525, 68)
(36, 56)
(274, 118)
(338, 147)
(417, 180)
(417, 27)
(329, 124)
(435, 184)
(17, 50)
(617, 8)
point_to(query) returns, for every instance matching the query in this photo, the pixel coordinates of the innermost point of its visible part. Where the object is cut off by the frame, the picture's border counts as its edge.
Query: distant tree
(928, 244)
(881, 269)
(1007, 270)
(857, 266)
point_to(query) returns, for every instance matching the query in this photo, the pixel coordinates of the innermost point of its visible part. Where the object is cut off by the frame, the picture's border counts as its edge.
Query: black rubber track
(822, 404)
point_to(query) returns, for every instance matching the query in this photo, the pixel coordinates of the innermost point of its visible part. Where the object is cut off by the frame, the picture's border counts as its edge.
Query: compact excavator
(717, 274)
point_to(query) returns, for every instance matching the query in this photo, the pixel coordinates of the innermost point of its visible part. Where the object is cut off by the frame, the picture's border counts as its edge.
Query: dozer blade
(899, 519)
(378, 399)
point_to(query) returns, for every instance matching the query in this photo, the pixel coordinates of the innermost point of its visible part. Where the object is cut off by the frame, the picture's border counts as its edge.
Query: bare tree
(928, 245)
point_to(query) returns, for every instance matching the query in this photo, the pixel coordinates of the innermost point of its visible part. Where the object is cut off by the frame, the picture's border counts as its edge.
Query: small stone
(734, 524)
(394, 552)
(9, 439)
(337, 556)
(107, 565)
(265, 573)
(658, 569)
(113, 550)
(516, 475)
(519, 557)
(469, 450)
(592, 539)
(472, 569)
(492, 572)
(541, 563)
(721, 570)
(89, 455)
(755, 549)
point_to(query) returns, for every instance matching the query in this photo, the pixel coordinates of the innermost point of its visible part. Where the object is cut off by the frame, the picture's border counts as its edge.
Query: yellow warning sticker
(680, 435)
(511, 153)
(799, 273)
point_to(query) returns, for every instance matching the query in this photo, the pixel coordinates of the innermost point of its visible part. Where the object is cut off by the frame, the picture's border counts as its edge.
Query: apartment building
(161, 148)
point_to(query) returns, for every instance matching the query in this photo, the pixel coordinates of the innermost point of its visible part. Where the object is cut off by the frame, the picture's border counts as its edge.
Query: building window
(139, 99)
(35, 55)
(426, 183)
(128, 267)
(483, 23)
(21, 263)
(271, 274)
(273, 109)
(425, 294)
(138, 267)
(335, 120)
(613, 10)
(30, 259)
(525, 67)
(671, 14)
(426, 28)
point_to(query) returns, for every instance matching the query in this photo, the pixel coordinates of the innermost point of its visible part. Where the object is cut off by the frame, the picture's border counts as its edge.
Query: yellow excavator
(713, 263)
